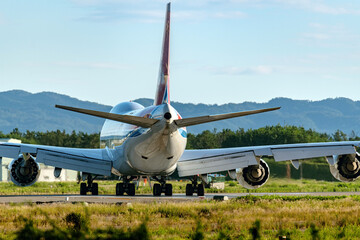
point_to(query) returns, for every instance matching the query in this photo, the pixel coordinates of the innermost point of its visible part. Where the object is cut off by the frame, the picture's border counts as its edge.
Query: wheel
(119, 189)
(157, 189)
(83, 189)
(200, 190)
(168, 189)
(131, 189)
(189, 189)
(95, 189)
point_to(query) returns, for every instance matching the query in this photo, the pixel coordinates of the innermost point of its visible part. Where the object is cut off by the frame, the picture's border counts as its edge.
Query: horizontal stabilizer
(134, 120)
(211, 118)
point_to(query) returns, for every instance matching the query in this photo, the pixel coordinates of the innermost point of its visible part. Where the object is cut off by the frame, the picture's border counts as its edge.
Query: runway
(112, 199)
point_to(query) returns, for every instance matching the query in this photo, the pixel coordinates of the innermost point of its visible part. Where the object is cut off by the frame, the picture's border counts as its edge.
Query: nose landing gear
(125, 187)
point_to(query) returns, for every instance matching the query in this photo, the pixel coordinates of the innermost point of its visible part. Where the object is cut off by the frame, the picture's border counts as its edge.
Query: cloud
(153, 11)
(318, 6)
(261, 69)
(105, 2)
(230, 14)
(330, 36)
(331, 77)
(355, 69)
(103, 65)
(193, 15)
(118, 14)
(316, 36)
(150, 16)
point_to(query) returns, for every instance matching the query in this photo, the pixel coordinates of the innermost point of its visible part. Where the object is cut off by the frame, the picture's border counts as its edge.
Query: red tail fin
(162, 92)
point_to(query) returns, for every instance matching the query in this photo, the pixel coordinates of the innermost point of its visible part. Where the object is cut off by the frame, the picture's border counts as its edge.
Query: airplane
(150, 141)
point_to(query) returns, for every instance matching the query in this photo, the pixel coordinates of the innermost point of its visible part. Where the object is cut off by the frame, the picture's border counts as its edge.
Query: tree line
(263, 136)
(56, 138)
(207, 139)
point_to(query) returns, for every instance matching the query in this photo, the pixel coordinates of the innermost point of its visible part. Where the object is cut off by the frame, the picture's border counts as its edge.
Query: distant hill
(36, 112)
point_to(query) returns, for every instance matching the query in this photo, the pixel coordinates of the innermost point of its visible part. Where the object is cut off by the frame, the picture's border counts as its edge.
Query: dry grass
(333, 217)
(295, 217)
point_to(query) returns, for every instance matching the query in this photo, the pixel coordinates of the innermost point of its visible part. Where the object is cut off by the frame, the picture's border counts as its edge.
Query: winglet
(163, 91)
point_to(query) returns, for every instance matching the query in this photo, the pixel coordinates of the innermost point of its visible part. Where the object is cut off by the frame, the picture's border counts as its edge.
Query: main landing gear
(125, 187)
(194, 187)
(90, 186)
(162, 187)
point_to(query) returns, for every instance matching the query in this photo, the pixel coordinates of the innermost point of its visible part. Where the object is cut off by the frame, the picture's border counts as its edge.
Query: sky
(108, 51)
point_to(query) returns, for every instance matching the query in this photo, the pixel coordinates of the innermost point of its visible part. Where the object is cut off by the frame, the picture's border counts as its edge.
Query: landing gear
(194, 187)
(125, 187)
(90, 186)
(168, 189)
(95, 189)
(189, 189)
(83, 188)
(163, 187)
(157, 189)
(200, 190)
(119, 189)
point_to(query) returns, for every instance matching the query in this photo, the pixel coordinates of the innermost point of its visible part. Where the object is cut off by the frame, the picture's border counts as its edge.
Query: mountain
(36, 112)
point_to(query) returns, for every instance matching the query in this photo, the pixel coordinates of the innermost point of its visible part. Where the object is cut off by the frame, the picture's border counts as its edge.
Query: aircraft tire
(131, 189)
(119, 189)
(200, 190)
(83, 189)
(95, 189)
(168, 189)
(157, 189)
(189, 189)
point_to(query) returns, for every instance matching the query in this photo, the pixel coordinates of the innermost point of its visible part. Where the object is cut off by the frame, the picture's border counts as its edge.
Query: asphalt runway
(112, 199)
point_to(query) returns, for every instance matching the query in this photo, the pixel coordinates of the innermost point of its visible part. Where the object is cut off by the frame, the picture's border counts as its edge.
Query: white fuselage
(145, 151)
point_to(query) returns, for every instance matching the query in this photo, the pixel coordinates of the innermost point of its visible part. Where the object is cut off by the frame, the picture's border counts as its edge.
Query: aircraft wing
(95, 161)
(204, 161)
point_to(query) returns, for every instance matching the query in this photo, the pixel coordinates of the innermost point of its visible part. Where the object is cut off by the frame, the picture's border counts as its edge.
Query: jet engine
(346, 168)
(254, 176)
(24, 172)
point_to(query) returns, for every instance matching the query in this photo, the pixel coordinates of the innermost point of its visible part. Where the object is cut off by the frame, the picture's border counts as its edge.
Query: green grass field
(244, 218)
(302, 217)
(108, 187)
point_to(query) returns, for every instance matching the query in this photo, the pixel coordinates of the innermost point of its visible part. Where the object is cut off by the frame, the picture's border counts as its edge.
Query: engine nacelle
(24, 172)
(254, 176)
(346, 168)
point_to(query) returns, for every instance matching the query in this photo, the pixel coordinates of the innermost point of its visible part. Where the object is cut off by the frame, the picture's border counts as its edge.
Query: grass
(108, 187)
(302, 217)
(249, 217)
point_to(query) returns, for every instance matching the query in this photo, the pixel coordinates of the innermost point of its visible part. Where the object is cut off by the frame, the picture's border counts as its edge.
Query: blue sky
(108, 51)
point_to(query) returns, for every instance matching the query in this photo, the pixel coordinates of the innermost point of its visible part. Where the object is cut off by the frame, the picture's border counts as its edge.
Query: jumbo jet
(138, 141)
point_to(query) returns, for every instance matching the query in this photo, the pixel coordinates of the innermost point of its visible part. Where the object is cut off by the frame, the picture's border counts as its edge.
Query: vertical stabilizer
(162, 91)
